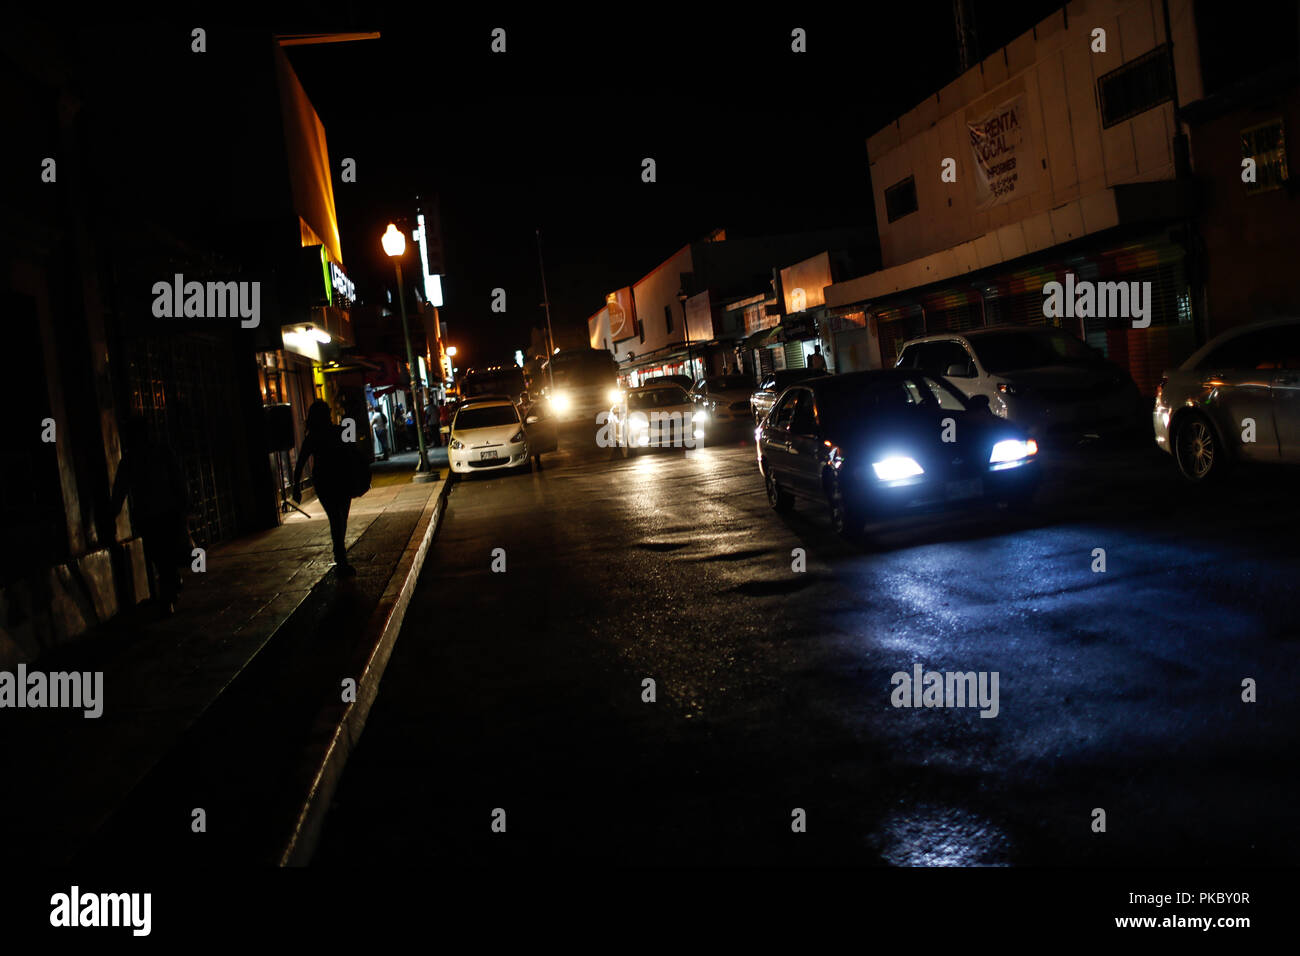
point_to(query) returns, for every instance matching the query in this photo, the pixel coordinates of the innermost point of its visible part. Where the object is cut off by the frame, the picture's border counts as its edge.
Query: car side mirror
(978, 403)
(531, 420)
(959, 370)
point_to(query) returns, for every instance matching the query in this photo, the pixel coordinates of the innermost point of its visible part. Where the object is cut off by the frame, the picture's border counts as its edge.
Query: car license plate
(487, 455)
(970, 488)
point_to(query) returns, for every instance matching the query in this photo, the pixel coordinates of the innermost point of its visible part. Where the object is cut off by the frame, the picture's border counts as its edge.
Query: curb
(339, 727)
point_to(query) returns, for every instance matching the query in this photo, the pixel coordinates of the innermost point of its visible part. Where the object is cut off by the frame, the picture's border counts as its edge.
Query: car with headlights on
(1235, 399)
(490, 435)
(889, 443)
(1043, 379)
(656, 416)
(724, 398)
(773, 384)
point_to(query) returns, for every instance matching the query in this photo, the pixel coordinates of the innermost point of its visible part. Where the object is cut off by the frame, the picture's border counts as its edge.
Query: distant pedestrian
(379, 425)
(411, 438)
(817, 360)
(432, 433)
(331, 476)
(160, 506)
(399, 431)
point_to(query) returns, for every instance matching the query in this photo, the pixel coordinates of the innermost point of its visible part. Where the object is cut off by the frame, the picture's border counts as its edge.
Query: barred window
(1266, 145)
(1135, 87)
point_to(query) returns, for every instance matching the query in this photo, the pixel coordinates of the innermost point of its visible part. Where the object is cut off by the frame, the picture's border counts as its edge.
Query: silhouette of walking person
(160, 505)
(329, 474)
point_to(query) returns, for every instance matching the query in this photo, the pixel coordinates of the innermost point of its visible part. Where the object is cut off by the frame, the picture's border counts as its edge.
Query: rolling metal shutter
(893, 328)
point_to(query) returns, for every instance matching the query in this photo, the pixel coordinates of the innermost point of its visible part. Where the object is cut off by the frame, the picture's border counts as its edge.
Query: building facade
(1061, 154)
(153, 273)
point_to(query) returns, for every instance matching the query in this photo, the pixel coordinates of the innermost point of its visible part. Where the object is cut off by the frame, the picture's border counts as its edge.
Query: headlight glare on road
(614, 396)
(896, 467)
(1012, 450)
(700, 417)
(561, 402)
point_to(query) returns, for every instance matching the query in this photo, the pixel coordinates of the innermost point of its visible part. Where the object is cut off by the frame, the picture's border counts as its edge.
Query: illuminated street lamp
(395, 244)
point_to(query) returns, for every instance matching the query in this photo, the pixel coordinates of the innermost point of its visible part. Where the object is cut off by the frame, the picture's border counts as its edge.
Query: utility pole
(967, 41)
(546, 299)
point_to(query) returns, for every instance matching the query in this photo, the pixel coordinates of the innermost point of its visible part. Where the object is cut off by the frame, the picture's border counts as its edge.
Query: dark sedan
(871, 445)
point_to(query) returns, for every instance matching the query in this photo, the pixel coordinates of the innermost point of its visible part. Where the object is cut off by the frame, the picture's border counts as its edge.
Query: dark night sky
(746, 135)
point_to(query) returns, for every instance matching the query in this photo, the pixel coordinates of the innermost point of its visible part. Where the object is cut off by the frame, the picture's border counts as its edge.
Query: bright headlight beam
(895, 467)
(1012, 449)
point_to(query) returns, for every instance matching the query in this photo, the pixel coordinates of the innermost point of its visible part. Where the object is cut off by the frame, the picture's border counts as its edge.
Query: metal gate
(176, 383)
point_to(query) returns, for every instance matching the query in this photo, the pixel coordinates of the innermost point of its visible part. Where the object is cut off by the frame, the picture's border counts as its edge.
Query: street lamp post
(550, 339)
(395, 244)
(686, 328)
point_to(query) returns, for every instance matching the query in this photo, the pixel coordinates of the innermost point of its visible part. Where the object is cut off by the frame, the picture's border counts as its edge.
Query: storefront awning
(762, 338)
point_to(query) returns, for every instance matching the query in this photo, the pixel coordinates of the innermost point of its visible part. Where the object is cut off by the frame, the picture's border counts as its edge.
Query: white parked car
(1236, 398)
(489, 435)
(1045, 380)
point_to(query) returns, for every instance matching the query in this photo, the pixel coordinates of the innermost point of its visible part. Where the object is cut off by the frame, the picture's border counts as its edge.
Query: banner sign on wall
(1000, 143)
(622, 316)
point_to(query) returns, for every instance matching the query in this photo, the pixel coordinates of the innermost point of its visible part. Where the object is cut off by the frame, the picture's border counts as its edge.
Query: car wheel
(777, 497)
(1201, 456)
(847, 519)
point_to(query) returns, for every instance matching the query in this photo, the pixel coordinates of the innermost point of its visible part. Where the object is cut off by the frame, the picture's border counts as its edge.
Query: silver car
(725, 398)
(1236, 398)
(771, 387)
(1043, 379)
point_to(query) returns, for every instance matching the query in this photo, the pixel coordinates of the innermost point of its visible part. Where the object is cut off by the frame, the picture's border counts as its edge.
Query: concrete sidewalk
(169, 682)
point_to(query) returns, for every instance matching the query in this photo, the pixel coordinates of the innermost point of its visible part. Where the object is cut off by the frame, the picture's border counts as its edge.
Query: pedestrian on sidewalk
(330, 475)
(160, 505)
(412, 440)
(399, 433)
(432, 438)
(379, 425)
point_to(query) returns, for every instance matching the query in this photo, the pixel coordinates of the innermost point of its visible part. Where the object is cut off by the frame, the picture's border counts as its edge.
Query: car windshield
(657, 398)
(845, 402)
(1009, 351)
(486, 416)
(723, 383)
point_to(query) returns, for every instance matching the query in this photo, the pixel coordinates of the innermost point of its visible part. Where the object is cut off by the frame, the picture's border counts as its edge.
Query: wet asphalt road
(1119, 690)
